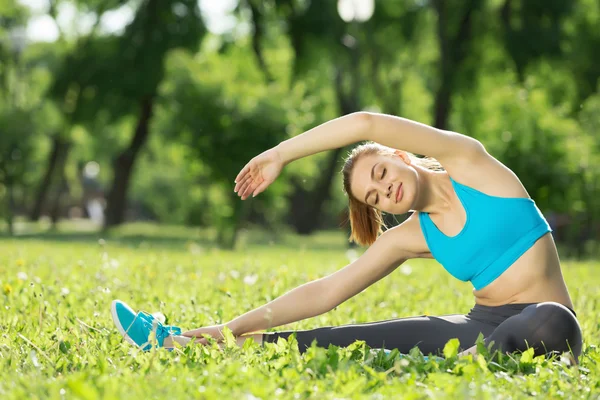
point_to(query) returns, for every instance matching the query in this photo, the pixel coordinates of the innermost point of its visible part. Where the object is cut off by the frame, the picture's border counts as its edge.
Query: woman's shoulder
(483, 172)
(409, 237)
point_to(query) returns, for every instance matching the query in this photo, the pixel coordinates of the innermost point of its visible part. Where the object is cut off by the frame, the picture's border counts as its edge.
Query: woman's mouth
(399, 193)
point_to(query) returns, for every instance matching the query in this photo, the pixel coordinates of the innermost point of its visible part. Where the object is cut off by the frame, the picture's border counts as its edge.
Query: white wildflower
(406, 269)
(250, 279)
(159, 316)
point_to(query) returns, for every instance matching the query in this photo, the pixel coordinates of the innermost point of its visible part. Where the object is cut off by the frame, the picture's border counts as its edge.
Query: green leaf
(83, 389)
(451, 348)
(248, 343)
(229, 338)
(482, 362)
(527, 356)
(64, 346)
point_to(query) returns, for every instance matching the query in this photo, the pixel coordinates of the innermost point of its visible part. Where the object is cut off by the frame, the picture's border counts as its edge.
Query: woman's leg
(429, 334)
(547, 327)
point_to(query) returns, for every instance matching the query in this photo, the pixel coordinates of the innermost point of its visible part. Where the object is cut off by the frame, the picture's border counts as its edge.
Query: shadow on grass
(152, 236)
(132, 235)
(124, 240)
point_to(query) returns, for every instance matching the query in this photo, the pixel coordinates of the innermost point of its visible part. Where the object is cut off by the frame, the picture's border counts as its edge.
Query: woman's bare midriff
(534, 278)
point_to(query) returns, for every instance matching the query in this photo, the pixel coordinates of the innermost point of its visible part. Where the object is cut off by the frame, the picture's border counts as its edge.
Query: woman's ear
(403, 155)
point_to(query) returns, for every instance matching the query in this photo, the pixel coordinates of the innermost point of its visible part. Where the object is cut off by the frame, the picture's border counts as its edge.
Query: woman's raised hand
(258, 174)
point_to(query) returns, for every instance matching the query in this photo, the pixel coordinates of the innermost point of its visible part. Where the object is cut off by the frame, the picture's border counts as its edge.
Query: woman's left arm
(415, 137)
(388, 130)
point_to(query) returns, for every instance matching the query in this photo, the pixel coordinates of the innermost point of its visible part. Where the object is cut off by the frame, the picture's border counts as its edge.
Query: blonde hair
(366, 222)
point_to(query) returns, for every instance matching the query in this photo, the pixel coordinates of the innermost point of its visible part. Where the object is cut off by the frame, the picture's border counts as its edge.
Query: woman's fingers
(246, 193)
(239, 183)
(251, 188)
(243, 172)
(195, 336)
(195, 333)
(250, 181)
(260, 188)
(247, 183)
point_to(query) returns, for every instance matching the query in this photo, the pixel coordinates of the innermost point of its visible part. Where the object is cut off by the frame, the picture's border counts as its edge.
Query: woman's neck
(435, 192)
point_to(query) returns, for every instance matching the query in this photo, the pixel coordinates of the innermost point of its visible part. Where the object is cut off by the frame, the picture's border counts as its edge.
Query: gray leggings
(547, 327)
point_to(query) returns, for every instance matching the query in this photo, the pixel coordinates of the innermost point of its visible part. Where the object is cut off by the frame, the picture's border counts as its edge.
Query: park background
(123, 124)
(124, 111)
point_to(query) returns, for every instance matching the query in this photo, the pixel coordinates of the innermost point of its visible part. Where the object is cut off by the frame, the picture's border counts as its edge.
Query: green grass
(58, 341)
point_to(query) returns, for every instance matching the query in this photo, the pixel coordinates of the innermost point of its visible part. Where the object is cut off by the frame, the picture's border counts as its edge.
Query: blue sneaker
(137, 327)
(171, 329)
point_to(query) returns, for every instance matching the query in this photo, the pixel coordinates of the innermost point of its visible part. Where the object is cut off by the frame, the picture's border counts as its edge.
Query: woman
(474, 216)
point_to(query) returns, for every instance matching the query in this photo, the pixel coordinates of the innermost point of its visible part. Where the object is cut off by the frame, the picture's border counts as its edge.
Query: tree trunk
(229, 235)
(307, 206)
(56, 206)
(257, 35)
(56, 162)
(11, 207)
(307, 217)
(453, 51)
(124, 164)
(443, 102)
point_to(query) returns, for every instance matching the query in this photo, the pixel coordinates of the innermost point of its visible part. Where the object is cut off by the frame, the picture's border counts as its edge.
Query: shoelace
(161, 331)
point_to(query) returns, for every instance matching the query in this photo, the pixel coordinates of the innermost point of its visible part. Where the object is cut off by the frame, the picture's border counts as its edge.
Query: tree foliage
(519, 75)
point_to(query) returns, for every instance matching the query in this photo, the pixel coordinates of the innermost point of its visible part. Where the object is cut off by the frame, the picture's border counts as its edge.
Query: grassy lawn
(58, 341)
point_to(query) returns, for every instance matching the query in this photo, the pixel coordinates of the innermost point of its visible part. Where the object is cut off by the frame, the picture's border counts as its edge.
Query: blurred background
(116, 112)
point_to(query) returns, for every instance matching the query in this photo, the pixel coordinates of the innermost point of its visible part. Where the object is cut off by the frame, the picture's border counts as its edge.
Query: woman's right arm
(317, 297)
(447, 147)
(338, 132)
(263, 169)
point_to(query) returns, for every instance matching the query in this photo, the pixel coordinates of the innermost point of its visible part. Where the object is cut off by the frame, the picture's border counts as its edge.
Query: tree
(121, 75)
(455, 35)
(16, 146)
(16, 126)
(583, 38)
(534, 30)
(55, 57)
(316, 35)
(208, 111)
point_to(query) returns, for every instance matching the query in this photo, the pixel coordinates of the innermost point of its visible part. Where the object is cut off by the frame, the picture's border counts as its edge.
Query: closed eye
(383, 173)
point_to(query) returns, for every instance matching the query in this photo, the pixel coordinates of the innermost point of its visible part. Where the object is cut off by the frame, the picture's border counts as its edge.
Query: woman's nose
(385, 189)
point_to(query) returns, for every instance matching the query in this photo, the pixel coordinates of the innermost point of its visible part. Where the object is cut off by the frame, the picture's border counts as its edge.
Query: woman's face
(386, 182)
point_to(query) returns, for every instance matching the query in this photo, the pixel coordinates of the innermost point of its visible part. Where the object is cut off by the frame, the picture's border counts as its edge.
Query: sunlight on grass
(58, 340)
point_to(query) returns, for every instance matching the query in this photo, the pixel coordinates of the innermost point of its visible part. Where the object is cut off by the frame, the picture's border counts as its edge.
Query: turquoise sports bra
(497, 232)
